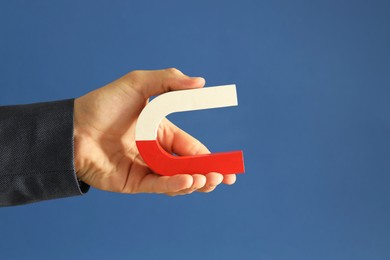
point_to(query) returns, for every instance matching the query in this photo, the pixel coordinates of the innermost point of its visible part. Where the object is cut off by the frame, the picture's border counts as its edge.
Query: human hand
(106, 156)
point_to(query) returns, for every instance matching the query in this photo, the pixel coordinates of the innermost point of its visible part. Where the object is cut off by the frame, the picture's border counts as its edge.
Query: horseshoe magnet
(164, 163)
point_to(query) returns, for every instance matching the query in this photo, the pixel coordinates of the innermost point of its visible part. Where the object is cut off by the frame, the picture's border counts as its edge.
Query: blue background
(314, 123)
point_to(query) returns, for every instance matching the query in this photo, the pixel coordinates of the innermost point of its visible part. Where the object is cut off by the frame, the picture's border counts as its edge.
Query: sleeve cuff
(37, 153)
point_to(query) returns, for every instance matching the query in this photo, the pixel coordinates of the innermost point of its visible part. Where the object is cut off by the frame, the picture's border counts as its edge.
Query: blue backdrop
(313, 120)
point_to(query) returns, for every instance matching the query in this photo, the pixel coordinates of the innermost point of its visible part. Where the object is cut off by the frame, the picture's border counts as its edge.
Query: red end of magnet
(166, 164)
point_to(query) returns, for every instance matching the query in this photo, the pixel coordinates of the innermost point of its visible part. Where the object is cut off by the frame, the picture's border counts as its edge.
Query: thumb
(154, 82)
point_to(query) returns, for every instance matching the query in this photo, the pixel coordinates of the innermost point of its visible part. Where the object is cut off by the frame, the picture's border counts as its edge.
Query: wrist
(79, 158)
(79, 162)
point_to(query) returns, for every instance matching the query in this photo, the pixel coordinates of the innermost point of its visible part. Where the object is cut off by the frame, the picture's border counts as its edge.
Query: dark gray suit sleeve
(36, 153)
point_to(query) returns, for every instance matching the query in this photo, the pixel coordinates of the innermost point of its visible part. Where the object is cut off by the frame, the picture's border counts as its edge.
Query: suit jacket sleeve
(36, 153)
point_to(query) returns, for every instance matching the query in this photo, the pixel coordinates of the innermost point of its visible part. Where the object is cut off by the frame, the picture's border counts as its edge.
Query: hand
(106, 156)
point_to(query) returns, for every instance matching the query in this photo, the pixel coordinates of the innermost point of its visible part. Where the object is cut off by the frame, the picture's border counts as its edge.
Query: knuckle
(135, 75)
(173, 71)
(132, 79)
(195, 148)
(209, 189)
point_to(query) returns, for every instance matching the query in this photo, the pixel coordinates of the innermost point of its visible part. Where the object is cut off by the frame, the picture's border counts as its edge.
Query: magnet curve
(164, 163)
